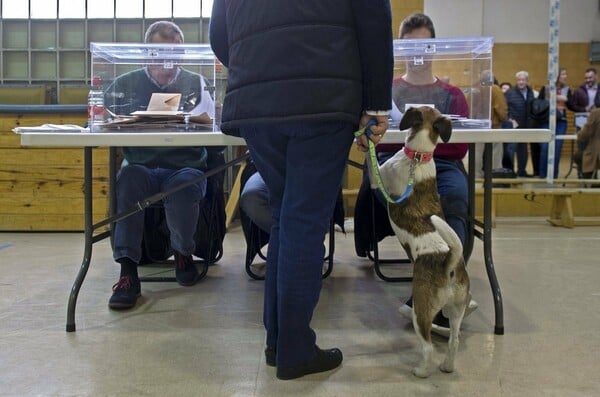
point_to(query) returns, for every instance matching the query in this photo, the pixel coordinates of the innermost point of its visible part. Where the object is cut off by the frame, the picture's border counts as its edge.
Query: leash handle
(375, 166)
(366, 129)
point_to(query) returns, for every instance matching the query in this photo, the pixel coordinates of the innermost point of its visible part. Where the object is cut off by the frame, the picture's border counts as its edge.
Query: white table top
(39, 136)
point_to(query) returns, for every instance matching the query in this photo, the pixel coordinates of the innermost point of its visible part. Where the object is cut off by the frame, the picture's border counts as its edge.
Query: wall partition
(46, 42)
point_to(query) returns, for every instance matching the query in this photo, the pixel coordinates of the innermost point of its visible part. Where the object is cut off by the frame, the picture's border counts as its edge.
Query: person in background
(589, 139)
(518, 99)
(150, 170)
(505, 86)
(254, 200)
(563, 100)
(498, 115)
(586, 97)
(297, 107)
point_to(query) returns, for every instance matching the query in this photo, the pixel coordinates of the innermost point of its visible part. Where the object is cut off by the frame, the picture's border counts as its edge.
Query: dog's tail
(450, 237)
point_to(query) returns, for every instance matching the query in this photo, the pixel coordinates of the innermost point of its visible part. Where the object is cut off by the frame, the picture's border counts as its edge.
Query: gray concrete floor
(208, 340)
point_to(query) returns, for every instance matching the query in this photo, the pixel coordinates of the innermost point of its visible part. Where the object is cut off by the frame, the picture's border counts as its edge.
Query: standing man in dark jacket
(518, 99)
(303, 76)
(587, 96)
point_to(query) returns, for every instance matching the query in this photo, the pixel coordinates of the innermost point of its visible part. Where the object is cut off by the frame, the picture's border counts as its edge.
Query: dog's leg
(422, 326)
(455, 313)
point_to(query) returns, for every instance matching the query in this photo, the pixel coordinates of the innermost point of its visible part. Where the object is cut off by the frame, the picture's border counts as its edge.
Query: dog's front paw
(421, 372)
(447, 367)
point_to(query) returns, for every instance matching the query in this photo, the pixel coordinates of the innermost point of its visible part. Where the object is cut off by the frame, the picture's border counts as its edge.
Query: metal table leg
(470, 238)
(87, 254)
(487, 240)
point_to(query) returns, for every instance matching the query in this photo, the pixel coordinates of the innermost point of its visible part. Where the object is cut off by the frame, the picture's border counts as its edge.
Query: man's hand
(377, 131)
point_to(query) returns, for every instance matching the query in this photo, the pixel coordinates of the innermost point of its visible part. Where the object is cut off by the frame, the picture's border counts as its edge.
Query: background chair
(371, 225)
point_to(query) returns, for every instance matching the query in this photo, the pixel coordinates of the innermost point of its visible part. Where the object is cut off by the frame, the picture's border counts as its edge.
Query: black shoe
(186, 272)
(125, 293)
(270, 356)
(324, 360)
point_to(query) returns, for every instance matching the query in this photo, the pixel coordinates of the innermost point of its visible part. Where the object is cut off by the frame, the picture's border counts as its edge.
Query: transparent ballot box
(155, 86)
(452, 74)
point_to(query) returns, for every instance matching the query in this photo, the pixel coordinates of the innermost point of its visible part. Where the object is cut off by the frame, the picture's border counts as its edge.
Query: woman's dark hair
(416, 21)
(558, 83)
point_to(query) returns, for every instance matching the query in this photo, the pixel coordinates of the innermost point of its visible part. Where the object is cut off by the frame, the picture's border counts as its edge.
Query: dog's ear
(411, 118)
(443, 126)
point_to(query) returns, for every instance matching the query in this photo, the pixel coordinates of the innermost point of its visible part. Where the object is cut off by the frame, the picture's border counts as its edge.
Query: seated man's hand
(377, 131)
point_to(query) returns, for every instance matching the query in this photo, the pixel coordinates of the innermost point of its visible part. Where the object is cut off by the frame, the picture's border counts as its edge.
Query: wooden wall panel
(35, 156)
(41, 189)
(510, 58)
(402, 9)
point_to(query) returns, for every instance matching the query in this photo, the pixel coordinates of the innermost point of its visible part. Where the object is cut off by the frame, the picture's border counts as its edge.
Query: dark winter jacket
(308, 60)
(518, 107)
(579, 101)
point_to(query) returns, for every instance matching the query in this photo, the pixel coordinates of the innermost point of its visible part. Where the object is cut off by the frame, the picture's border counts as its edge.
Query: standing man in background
(586, 97)
(303, 76)
(518, 99)
(498, 115)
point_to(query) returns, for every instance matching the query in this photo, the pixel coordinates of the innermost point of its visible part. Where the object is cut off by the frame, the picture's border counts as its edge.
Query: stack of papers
(52, 128)
(162, 112)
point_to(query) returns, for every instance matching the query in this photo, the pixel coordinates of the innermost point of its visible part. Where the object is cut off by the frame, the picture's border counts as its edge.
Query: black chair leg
(329, 258)
(251, 254)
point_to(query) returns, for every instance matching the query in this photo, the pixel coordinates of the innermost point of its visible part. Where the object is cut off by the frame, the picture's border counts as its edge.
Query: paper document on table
(51, 128)
(183, 121)
(161, 104)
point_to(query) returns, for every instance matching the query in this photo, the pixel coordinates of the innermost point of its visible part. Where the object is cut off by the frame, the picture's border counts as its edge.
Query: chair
(257, 238)
(371, 225)
(210, 231)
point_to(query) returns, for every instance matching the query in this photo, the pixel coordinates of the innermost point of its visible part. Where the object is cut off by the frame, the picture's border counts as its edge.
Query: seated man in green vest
(149, 170)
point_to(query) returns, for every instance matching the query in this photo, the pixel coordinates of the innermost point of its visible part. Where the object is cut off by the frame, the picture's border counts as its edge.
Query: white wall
(515, 21)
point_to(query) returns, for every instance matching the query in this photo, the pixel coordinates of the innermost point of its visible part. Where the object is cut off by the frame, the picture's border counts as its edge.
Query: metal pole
(553, 45)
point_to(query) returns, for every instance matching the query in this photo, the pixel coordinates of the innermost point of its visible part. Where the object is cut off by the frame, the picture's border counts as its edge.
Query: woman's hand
(377, 131)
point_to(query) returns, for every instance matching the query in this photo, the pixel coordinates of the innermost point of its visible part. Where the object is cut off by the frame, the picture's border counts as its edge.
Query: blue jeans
(302, 165)
(254, 200)
(453, 188)
(520, 149)
(135, 183)
(561, 129)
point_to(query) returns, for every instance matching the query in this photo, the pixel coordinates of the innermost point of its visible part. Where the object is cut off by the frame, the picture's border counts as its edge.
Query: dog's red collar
(419, 157)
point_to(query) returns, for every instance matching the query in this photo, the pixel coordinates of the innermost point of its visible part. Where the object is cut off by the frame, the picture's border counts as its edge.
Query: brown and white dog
(440, 280)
